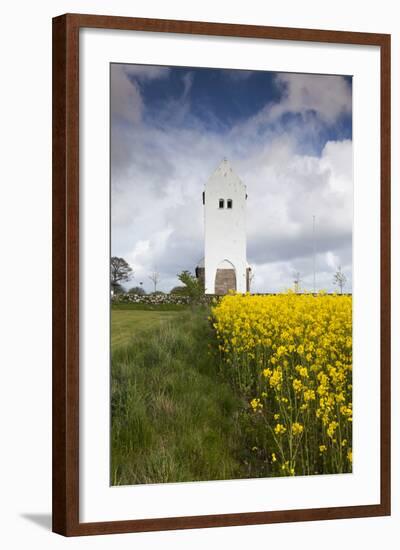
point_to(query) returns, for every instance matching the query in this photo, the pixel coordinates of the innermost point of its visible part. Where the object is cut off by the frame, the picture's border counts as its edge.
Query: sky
(287, 136)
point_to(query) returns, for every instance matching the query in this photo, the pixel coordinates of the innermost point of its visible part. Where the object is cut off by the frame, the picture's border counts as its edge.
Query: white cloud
(158, 177)
(145, 72)
(126, 99)
(187, 84)
(304, 92)
(332, 260)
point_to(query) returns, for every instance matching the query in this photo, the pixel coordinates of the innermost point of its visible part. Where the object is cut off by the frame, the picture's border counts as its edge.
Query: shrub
(137, 290)
(194, 287)
(180, 290)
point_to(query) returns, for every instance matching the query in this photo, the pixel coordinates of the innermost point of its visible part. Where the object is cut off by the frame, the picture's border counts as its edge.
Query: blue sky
(220, 99)
(289, 138)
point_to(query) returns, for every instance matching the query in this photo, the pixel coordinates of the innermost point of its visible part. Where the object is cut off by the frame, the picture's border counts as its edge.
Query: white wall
(25, 402)
(225, 228)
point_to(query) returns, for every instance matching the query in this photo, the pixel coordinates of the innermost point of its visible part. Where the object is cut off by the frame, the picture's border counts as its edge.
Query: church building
(224, 266)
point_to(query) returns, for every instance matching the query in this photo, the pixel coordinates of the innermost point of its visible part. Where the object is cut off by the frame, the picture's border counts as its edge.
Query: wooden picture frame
(66, 273)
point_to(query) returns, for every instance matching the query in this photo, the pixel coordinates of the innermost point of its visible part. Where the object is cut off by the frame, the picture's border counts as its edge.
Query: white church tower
(225, 266)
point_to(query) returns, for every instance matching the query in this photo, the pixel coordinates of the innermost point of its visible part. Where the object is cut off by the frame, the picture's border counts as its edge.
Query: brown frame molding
(66, 273)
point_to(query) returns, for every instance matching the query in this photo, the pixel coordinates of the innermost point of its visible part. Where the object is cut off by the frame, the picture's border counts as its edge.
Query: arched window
(229, 203)
(221, 203)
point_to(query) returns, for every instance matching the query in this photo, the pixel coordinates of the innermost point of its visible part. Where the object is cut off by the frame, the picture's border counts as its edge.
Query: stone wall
(225, 280)
(157, 299)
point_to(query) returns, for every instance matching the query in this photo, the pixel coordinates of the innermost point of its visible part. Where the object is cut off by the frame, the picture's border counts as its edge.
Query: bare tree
(296, 282)
(340, 279)
(120, 271)
(155, 278)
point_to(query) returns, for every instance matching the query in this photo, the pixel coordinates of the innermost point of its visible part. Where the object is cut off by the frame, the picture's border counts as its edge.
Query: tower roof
(224, 170)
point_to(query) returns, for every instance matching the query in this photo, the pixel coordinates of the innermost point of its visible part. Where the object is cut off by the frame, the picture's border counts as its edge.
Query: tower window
(221, 203)
(229, 203)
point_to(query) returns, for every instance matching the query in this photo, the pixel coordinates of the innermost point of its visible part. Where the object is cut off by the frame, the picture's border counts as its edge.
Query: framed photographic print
(221, 274)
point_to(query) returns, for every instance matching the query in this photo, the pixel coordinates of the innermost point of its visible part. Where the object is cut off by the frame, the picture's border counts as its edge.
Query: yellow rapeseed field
(290, 356)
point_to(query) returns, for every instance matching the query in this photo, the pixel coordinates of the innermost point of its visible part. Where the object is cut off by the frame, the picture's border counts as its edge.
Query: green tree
(137, 290)
(117, 288)
(194, 288)
(120, 271)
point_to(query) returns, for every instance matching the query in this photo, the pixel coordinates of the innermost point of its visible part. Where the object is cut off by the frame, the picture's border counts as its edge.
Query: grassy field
(174, 418)
(264, 390)
(127, 324)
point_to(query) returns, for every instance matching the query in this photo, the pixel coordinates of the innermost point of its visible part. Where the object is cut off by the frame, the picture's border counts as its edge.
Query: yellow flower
(350, 455)
(301, 345)
(279, 429)
(255, 404)
(332, 428)
(281, 351)
(303, 372)
(297, 428)
(297, 385)
(273, 457)
(276, 378)
(309, 395)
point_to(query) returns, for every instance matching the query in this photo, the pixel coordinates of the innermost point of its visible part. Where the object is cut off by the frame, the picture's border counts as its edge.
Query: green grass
(149, 307)
(174, 418)
(127, 324)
